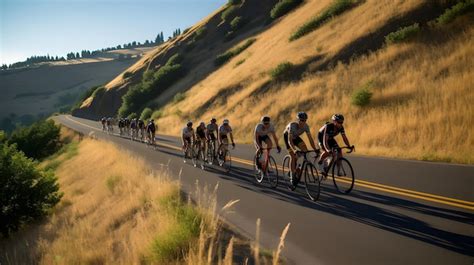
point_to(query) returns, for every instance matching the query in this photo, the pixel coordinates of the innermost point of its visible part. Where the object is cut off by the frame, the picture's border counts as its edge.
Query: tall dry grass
(422, 90)
(115, 210)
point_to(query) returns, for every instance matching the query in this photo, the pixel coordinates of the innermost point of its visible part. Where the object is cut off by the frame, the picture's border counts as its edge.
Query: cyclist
(134, 128)
(222, 133)
(326, 137)
(211, 132)
(187, 136)
(292, 138)
(141, 128)
(109, 124)
(151, 130)
(102, 121)
(261, 133)
(201, 136)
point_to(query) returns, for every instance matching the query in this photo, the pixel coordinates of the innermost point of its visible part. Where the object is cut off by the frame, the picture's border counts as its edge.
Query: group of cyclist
(135, 128)
(206, 136)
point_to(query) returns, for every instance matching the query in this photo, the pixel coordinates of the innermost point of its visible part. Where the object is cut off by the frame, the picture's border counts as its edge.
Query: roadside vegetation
(282, 72)
(225, 57)
(148, 221)
(402, 34)
(153, 83)
(336, 8)
(462, 7)
(282, 7)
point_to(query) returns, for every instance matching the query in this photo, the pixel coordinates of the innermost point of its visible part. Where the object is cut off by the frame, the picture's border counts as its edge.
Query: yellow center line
(362, 183)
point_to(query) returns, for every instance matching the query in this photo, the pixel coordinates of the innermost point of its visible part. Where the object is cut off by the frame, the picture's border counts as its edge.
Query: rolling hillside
(34, 92)
(421, 84)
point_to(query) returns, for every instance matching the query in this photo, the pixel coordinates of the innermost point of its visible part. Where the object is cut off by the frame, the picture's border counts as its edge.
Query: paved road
(400, 212)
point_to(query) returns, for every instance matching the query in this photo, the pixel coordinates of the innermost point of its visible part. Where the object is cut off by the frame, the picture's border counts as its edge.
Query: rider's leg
(268, 143)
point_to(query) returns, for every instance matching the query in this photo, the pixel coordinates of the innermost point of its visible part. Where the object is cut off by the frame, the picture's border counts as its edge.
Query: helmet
(213, 120)
(226, 121)
(189, 124)
(202, 123)
(302, 115)
(152, 120)
(265, 119)
(338, 117)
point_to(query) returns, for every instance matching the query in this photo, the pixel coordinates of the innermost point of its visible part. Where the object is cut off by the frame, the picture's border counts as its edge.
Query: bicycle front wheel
(272, 172)
(258, 172)
(286, 171)
(227, 165)
(311, 182)
(343, 175)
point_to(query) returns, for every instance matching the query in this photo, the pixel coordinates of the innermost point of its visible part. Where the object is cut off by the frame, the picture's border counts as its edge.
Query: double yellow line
(361, 183)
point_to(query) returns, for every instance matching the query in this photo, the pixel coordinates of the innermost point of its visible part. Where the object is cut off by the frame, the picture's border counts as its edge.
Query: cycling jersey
(294, 129)
(260, 129)
(200, 132)
(330, 130)
(187, 132)
(212, 127)
(224, 130)
(151, 127)
(133, 124)
(141, 124)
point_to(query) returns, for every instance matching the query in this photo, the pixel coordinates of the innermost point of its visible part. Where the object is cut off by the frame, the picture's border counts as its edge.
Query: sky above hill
(56, 27)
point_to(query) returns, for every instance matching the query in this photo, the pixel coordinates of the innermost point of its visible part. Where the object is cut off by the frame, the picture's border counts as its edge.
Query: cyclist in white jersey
(223, 131)
(187, 135)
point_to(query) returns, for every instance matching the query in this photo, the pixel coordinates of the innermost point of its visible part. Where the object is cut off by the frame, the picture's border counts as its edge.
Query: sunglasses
(303, 120)
(266, 123)
(340, 122)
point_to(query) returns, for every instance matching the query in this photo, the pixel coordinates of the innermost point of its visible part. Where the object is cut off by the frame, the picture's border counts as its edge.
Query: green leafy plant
(237, 23)
(178, 97)
(229, 12)
(146, 114)
(282, 72)
(283, 7)
(362, 96)
(458, 9)
(402, 34)
(224, 57)
(336, 8)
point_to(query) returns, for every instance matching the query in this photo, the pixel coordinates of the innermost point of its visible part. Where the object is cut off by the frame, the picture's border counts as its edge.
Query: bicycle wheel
(272, 172)
(343, 175)
(227, 165)
(210, 153)
(258, 172)
(311, 182)
(286, 171)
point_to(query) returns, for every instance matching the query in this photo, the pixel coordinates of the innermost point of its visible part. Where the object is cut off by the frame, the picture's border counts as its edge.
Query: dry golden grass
(113, 210)
(422, 103)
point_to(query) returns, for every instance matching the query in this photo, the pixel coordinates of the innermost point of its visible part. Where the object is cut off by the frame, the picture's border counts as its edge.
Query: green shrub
(157, 114)
(26, 193)
(224, 57)
(178, 97)
(229, 12)
(171, 245)
(402, 34)
(127, 74)
(458, 9)
(282, 72)
(37, 141)
(141, 93)
(99, 91)
(200, 33)
(336, 8)
(361, 97)
(132, 115)
(175, 59)
(85, 96)
(146, 114)
(283, 7)
(237, 23)
(239, 62)
(147, 75)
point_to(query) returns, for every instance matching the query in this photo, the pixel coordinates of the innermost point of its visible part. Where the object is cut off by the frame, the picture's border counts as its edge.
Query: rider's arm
(346, 141)
(325, 140)
(275, 139)
(232, 138)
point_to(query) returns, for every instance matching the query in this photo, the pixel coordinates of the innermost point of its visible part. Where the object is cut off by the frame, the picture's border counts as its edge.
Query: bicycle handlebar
(351, 148)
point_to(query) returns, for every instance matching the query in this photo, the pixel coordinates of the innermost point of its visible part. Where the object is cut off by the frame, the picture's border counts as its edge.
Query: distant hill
(36, 92)
(400, 71)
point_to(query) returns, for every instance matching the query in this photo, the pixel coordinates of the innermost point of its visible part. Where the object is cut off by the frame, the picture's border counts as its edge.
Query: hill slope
(422, 88)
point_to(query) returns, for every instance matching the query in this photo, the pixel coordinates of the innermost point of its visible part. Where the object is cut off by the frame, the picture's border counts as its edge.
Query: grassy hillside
(316, 58)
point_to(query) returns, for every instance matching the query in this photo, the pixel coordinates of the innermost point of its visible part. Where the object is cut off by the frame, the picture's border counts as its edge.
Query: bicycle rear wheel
(258, 172)
(272, 172)
(286, 171)
(311, 182)
(343, 175)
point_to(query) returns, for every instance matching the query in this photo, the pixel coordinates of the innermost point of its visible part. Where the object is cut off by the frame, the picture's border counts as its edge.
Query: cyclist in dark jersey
(201, 136)
(141, 128)
(211, 133)
(151, 130)
(103, 120)
(327, 133)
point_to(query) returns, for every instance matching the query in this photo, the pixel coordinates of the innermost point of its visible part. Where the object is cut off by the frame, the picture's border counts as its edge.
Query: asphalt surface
(400, 211)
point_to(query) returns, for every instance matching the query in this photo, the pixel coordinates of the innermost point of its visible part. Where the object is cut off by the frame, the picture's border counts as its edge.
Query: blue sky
(56, 27)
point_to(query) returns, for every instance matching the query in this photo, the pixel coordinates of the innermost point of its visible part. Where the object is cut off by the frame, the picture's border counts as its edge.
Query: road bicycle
(198, 153)
(308, 170)
(189, 153)
(340, 169)
(265, 166)
(211, 151)
(224, 158)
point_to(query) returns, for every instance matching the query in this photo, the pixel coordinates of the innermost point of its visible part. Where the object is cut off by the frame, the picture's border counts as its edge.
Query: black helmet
(302, 115)
(265, 119)
(189, 124)
(213, 120)
(338, 117)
